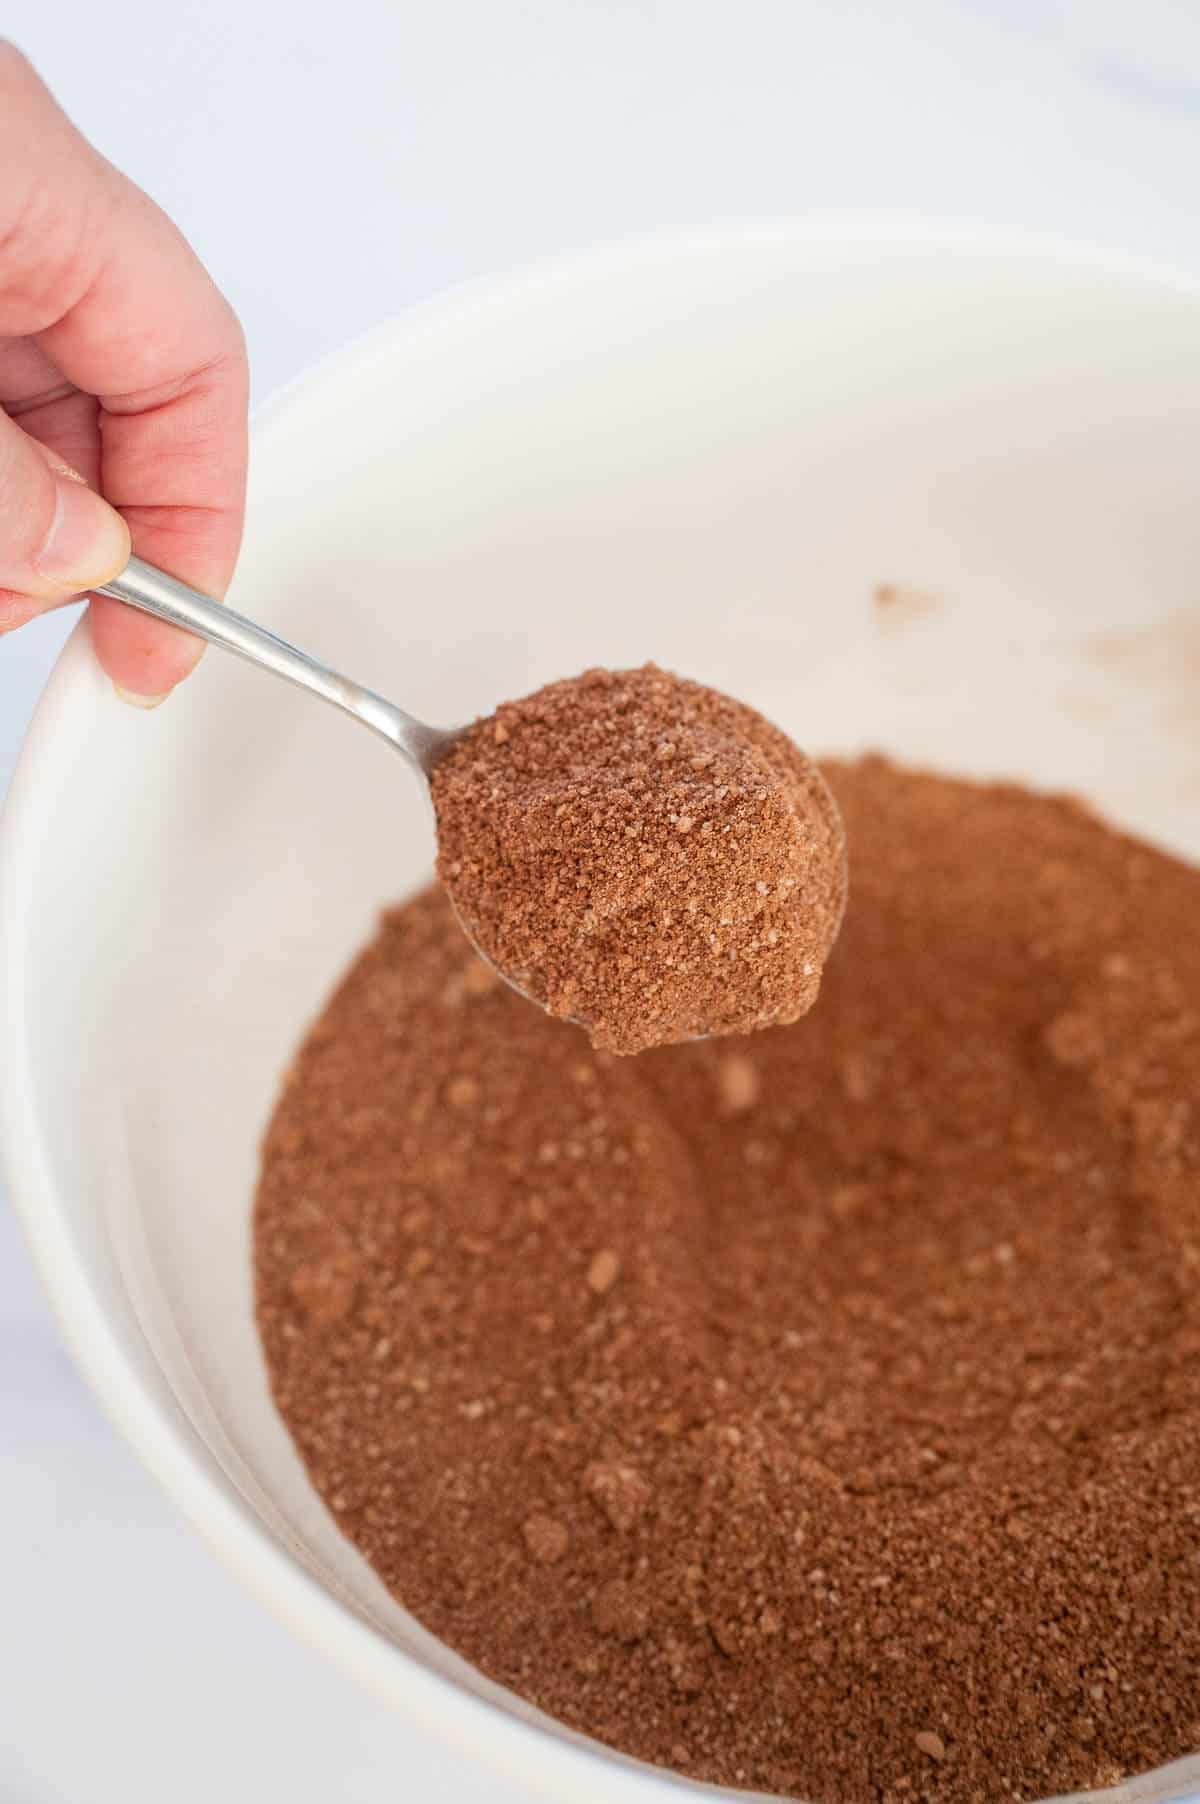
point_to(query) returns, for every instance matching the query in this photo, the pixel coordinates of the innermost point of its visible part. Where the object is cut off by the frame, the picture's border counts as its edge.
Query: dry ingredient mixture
(817, 1412)
(643, 855)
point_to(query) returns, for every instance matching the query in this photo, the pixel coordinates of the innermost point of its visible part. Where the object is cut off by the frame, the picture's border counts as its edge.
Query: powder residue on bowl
(815, 1412)
(643, 855)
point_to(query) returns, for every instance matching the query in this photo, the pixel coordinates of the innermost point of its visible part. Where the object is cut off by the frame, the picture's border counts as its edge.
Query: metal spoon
(141, 585)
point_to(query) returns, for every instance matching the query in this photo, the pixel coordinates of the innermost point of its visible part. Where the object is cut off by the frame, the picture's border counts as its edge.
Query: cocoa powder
(817, 1412)
(643, 855)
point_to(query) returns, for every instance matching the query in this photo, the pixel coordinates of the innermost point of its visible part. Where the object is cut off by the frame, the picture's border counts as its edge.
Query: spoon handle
(142, 585)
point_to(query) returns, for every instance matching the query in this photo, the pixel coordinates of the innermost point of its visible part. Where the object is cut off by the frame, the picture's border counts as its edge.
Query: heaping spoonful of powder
(643, 855)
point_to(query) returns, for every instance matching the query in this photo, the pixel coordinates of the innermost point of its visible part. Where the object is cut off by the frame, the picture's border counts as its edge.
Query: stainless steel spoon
(143, 586)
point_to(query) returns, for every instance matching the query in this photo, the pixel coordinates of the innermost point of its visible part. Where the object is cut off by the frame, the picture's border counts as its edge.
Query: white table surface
(333, 165)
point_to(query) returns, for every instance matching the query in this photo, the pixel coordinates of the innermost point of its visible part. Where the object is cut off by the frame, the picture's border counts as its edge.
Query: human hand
(123, 376)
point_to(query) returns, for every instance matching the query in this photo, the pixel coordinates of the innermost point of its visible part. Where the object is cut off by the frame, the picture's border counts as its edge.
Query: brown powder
(644, 856)
(817, 1412)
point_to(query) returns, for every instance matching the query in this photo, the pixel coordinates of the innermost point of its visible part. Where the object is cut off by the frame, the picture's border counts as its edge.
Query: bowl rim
(558, 1764)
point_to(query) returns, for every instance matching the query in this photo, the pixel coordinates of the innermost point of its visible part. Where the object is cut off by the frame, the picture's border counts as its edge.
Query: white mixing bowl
(710, 453)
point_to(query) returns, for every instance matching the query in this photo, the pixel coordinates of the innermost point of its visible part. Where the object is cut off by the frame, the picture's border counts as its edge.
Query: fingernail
(88, 541)
(139, 701)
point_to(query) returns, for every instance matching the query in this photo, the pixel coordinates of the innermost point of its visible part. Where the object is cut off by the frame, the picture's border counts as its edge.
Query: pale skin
(123, 394)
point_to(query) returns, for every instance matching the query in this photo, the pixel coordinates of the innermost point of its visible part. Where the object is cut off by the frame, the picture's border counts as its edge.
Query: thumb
(57, 536)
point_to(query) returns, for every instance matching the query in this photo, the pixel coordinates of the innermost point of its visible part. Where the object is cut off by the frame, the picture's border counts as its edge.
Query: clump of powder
(816, 1412)
(644, 856)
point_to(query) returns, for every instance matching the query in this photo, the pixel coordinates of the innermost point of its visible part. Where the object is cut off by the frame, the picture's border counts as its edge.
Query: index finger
(110, 290)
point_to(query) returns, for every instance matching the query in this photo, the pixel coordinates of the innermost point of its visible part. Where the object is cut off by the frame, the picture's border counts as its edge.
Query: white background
(332, 166)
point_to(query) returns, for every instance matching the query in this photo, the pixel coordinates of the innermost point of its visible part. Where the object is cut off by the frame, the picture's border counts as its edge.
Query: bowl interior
(935, 497)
